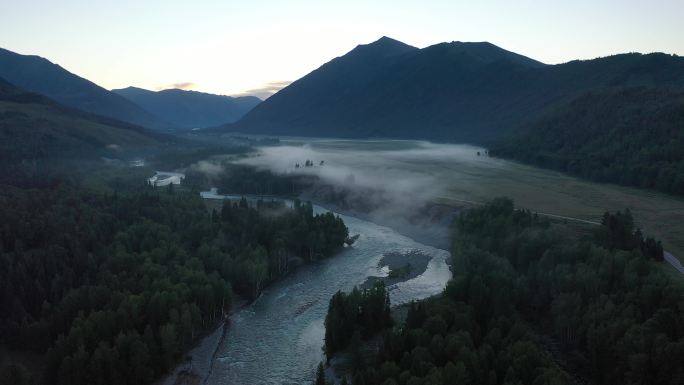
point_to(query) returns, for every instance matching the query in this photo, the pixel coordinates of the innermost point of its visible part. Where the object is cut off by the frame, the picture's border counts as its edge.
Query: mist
(210, 169)
(384, 181)
(368, 165)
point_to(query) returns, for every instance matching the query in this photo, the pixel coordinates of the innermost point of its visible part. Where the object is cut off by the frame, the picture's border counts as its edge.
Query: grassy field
(554, 193)
(456, 174)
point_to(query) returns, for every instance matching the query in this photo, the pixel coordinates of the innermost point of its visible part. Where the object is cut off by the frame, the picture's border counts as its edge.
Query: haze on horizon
(237, 48)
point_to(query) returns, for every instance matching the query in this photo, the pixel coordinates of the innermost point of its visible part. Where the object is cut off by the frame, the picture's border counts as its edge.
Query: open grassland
(456, 174)
(553, 193)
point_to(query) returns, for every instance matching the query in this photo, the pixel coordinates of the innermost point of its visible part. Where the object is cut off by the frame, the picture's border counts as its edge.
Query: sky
(257, 47)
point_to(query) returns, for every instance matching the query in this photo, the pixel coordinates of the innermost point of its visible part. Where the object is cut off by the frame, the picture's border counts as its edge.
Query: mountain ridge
(33, 126)
(190, 109)
(464, 92)
(39, 75)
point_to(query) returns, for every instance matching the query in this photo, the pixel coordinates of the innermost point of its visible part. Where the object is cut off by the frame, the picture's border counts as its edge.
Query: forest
(242, 179)
(530, 304)
(113, 286)
(631, 136)
(356, 315)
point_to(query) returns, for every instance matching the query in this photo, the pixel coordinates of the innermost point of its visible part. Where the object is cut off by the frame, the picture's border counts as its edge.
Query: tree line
(242, 179)
(356, 315)
(112, 287)
(531, 304)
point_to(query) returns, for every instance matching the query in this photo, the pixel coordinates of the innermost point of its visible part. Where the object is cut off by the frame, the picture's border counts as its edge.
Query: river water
(278, 339)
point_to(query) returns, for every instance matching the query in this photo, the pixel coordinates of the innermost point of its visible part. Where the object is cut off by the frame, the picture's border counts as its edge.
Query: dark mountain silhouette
(33, 127)
(190, 109)
(36, 74)
(469, 92)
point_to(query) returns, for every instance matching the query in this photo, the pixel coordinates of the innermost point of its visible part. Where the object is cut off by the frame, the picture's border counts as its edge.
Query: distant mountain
(34, 127)
(631, 136)
(36, 74)
(190, 109)
(468, 92)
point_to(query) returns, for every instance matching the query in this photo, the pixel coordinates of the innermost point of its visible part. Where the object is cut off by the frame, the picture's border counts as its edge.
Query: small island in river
(401, 266)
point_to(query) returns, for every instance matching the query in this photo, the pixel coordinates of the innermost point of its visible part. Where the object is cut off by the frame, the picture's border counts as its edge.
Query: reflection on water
(279, 338)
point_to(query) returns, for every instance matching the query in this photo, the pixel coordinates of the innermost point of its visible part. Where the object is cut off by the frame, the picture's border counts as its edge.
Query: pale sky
(234, 47)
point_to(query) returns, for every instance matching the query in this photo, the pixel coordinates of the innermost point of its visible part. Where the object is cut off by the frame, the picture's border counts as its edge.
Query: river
(278, 339)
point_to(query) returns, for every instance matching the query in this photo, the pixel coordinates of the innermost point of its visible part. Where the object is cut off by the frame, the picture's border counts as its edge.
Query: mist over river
(278, 339)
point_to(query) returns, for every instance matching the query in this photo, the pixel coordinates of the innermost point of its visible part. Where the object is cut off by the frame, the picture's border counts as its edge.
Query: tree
(599, 299)
(168, 340)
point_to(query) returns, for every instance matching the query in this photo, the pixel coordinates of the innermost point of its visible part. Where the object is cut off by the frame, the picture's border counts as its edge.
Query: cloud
(180, 86)
(266, 90)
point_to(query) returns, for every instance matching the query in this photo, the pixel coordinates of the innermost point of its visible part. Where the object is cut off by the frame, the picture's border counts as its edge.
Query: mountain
(631, 136)
(36, 74)
(34, 127)
(468, 92)
(326, 96)
(190, 109)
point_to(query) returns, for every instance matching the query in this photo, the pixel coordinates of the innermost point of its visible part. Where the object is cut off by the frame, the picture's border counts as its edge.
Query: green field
(550, 192)
(456, 174)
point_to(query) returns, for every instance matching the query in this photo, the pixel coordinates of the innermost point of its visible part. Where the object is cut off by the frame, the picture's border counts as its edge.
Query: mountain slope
(326, 99)
(470, 92)
(34, 127)
(190, 109)
(630, 136)
(36, 74)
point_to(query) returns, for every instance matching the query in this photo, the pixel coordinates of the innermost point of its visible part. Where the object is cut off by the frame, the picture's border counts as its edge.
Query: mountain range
(39, 75)
(464, 92)
(33, 126)
(190, 109)
(615, 118)
(167, 109)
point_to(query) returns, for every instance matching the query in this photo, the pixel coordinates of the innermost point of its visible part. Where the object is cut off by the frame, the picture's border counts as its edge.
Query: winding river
(278, 339)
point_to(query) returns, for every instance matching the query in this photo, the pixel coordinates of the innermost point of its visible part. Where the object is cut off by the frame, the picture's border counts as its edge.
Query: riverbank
(290, 313)
(199, 361)
(339, 366)
(196, 366)
(429, 227)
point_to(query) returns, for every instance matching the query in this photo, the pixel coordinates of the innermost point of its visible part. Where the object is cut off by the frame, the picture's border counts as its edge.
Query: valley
(415, 171)
(399, 171)
(278, 338)
(280, 193)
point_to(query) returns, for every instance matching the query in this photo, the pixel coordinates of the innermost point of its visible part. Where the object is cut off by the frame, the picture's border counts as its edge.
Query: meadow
(457, 175)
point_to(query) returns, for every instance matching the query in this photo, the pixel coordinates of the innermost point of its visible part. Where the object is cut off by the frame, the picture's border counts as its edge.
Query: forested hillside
(33, 127)
(632, 136)
(39, 75)
(114, 286)
(526, 298)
